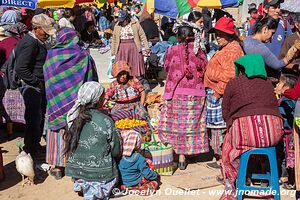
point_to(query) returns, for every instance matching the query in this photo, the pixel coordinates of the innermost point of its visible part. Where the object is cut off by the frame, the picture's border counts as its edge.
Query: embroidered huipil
(124, 93)
(176, 68)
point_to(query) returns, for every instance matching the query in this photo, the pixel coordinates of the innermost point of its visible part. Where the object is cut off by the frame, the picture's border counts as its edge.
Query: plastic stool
(271, 176)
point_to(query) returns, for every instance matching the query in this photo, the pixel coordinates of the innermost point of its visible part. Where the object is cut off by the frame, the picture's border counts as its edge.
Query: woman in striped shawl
(66, 68)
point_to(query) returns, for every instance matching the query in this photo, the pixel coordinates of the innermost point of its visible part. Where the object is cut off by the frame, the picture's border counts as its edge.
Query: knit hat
(44, 22)
(224, 24)
(253, 64)
(118, 67)
(131, 139)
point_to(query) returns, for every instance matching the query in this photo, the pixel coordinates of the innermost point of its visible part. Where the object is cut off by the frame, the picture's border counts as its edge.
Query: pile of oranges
(129, 123)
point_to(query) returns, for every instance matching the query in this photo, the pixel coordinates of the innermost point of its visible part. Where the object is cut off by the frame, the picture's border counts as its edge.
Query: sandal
(283, 180)
(182, 165)
(288, 186)
(57, 173)
(220, 179)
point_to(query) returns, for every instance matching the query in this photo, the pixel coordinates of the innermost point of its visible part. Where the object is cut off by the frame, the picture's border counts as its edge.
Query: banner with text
(30, 4)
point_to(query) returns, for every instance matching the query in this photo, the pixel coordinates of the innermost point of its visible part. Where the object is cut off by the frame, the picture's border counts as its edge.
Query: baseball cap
(45, 22)
(252, 7)
(123, 15)
(272, 2)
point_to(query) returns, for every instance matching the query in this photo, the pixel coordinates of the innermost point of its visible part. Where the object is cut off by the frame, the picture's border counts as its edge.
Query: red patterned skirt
(245, 134)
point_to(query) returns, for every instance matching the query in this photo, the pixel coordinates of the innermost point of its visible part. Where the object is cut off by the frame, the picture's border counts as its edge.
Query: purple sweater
(176, 68)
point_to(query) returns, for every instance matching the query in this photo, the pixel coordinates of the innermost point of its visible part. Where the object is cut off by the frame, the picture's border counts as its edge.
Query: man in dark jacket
(31, 54)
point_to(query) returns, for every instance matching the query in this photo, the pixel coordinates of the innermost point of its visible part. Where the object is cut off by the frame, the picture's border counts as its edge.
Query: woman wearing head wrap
(219, 71)
(17, 31)
(92, 144)
(134, 171)
(127, 92)
(182, 116)
(66, 68)
(250, 110)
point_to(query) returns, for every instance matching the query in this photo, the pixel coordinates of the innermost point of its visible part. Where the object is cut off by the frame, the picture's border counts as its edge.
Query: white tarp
(291, 5)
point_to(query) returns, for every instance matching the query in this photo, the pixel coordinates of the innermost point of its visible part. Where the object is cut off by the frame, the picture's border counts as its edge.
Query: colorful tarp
(56, 3)
(67, 3)
(30, 4)
(217, 3)
(175, 8)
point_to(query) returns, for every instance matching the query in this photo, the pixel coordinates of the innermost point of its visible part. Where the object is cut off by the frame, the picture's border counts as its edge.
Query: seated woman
(127, 92)
(90, 34)
(134, 171)
(92, 145)
(249, 104)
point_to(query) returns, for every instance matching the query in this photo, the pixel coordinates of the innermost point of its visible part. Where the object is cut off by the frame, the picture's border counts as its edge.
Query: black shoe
(214, 165)
(297, 195)
(220, 179)
(57, 174)
(182, 165)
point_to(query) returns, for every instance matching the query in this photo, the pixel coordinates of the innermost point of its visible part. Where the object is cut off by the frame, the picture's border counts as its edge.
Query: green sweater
(99, 145)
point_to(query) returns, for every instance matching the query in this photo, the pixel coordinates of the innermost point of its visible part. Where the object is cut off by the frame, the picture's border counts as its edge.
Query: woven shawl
(67, 67)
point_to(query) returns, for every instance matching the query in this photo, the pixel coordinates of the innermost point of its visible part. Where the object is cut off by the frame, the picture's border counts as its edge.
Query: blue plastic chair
(271, 176)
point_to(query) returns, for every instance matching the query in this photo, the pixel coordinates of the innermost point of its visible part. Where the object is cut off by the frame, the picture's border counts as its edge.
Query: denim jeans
(35, 109)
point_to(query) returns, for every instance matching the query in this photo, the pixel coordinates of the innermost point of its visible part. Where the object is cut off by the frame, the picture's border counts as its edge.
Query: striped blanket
(67, 67)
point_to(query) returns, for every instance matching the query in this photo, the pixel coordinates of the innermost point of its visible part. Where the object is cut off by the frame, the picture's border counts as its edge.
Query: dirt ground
(47, 188)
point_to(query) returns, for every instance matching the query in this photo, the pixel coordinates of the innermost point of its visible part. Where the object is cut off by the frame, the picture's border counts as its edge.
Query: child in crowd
(92, 145)
(287, 109)
(135, 173)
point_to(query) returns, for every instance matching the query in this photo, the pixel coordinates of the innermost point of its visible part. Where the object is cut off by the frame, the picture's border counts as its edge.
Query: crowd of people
(228, 95)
